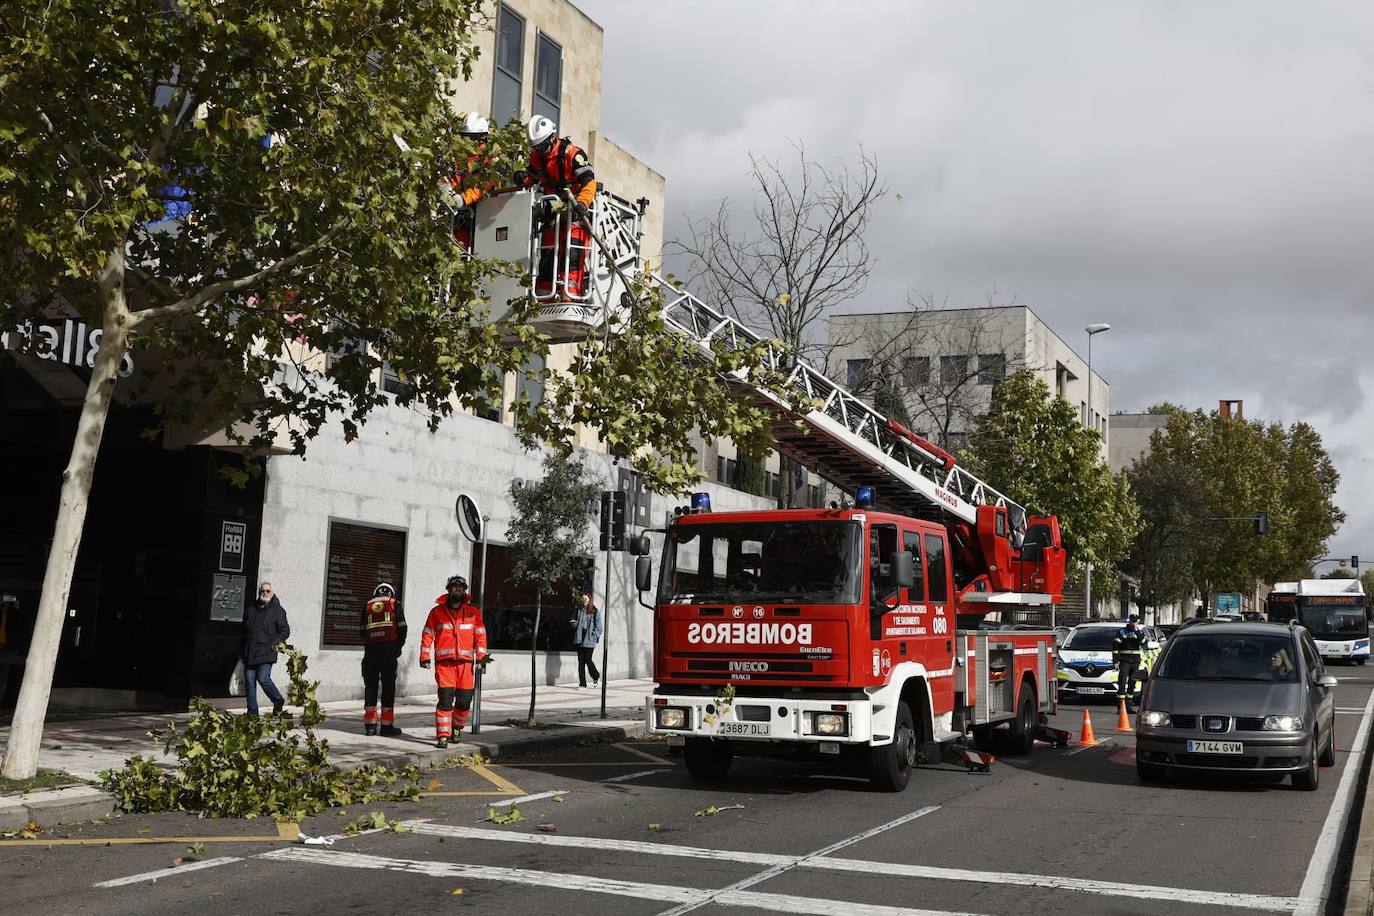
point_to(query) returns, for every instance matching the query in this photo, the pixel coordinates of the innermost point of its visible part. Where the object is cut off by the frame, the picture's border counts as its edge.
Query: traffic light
(1354, 562)
(1261, 523)
(613, 509)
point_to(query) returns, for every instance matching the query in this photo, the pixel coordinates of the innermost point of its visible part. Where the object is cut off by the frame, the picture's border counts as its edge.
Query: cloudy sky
(1200, 175)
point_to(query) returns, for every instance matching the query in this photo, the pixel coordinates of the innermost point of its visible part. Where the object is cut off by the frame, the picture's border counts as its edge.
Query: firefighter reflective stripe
(381, 619)
(1127, 643)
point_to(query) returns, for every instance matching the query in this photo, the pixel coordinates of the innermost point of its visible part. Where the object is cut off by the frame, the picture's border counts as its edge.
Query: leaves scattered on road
(513, 816)
(712, 811)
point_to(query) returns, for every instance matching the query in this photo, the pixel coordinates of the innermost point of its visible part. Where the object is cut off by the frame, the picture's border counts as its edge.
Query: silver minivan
(1252, 699)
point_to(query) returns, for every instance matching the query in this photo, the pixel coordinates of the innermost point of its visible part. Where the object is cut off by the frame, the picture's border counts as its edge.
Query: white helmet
(541, 130)
(475, 124)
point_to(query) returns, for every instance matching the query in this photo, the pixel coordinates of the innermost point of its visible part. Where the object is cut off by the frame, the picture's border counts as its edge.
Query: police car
(1085, 660)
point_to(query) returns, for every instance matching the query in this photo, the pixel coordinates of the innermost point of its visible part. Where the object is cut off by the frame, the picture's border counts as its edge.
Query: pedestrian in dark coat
(264, 625)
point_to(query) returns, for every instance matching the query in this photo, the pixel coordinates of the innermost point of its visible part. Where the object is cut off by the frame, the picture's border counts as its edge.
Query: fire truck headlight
(671, 716)
(830, 723)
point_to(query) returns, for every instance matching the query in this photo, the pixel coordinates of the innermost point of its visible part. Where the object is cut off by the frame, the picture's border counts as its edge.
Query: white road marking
(628, 776)
(169, 872)
(892, 869)
(425, 828)
(1107, 888)
(1317, 884)
(506, 802)
(694, 897)
(770, 873)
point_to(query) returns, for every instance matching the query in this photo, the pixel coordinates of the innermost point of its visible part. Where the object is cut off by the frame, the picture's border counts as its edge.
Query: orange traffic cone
(1086, 738)
(1123, 718)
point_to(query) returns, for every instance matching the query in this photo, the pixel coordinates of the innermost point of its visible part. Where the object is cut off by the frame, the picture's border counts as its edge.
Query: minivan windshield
(1091, 639)
(1270, 658)
(816, 562)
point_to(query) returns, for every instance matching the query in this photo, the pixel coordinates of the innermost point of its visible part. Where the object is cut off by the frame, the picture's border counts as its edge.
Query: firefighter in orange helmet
(384, 636)
(557, 164)
(455, 643)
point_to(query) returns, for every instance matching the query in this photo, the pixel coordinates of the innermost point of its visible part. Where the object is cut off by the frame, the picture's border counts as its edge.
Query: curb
(550, 739)
(55, 806)
(1359, 898)
(86, 803)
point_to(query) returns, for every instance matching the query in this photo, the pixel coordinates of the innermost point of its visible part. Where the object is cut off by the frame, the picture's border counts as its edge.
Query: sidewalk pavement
(567, 714)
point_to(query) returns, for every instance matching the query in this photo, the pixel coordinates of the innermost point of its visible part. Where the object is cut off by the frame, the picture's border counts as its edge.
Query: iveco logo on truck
(755, 667)
(754, 634)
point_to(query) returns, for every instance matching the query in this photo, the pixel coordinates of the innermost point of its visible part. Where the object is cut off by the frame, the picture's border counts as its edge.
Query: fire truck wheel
(1021, 733)
(889, 766)
(707, 759)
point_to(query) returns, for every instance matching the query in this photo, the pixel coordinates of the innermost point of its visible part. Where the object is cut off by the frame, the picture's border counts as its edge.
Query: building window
(916, 371)
(508, 80)
(992, 368)
(509, 607)
(548, 78)
(532, 389)
(953, 370)
(856, 373)
(359, 557)
(956, 441)
(392, 383)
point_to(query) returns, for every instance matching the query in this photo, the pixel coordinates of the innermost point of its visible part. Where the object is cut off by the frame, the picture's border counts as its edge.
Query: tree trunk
(26, 733)
(534, 650)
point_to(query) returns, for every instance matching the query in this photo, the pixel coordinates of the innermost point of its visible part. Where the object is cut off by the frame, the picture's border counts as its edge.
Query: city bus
(1333, 611)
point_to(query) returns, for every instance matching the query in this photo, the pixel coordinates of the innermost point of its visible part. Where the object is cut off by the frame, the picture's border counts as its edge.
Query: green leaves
(1032, 447)
(1203, 479)
(241, 766)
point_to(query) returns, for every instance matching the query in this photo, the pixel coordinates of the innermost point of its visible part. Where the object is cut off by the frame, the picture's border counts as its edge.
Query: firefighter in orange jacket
(455, 642)
(384, 636)
(557, 164)
(475, 129)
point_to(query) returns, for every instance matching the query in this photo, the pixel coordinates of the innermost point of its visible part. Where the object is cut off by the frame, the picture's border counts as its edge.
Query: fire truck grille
(730, 665)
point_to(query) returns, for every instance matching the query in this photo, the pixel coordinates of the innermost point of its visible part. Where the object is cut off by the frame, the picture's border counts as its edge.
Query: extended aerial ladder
(815, 421)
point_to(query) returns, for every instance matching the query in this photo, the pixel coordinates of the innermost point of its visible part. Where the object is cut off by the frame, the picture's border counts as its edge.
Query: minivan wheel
(1328, 758)
(1306, 779)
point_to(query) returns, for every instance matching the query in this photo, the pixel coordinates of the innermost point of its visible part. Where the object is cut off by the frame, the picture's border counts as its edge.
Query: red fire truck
(859, 632)
(845, 632)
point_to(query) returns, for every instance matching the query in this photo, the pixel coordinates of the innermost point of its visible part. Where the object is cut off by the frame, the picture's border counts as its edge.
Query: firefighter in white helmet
(384, 636)
(464, 180)
(557, 165)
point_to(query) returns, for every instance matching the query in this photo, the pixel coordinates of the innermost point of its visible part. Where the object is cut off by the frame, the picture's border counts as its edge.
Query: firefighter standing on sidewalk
(1128, 647)
(557, 164)
(455, 642)
(384, 636)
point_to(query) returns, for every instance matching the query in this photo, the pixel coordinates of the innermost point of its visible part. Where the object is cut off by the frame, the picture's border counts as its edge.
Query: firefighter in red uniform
(384, 635)
(557, 164)
(455, 642)
(475, 129)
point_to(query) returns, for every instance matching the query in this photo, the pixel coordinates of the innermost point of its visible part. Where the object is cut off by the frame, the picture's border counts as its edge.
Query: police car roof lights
(866, 497)
(701, 502)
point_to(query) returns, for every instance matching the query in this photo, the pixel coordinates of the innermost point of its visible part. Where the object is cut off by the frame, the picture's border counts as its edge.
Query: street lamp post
(1092, 329)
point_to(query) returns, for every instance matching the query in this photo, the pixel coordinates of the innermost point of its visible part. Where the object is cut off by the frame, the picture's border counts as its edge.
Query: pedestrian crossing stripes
(668, 893)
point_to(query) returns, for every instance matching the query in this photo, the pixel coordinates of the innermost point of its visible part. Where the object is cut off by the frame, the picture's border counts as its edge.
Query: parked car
(1252, 699)
(1085, 667)
(1167, 630)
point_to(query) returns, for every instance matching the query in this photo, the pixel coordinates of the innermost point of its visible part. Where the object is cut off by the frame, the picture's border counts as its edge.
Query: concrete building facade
(1130, 437)
(944, 364)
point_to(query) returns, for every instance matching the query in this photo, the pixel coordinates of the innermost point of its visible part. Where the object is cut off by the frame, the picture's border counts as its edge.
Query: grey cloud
(1195, 174)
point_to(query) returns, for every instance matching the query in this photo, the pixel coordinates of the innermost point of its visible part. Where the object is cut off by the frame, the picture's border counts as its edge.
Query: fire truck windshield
(818, 562)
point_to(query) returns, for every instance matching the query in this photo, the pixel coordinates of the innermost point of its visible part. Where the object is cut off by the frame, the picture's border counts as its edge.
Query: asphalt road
(1069, 830)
